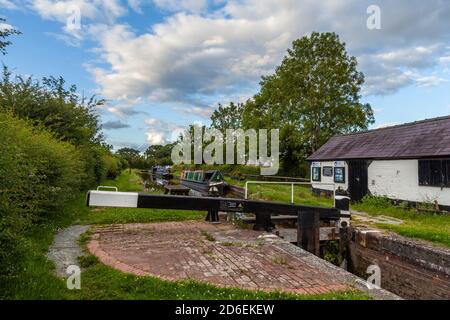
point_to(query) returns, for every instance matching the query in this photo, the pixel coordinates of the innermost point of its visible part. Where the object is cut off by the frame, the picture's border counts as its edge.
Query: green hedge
(38, 174)
(113, 166)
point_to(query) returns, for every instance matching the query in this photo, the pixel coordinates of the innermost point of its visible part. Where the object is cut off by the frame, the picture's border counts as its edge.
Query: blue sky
(163, 64)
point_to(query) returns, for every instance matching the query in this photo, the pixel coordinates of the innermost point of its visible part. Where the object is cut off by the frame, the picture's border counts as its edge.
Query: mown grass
(101, 282)
(130, 215)
(127, 181)
(282, 193)
(426, 226)
(37, 280)
(130, 181)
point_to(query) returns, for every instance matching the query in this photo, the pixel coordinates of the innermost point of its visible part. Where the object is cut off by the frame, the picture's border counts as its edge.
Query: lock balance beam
(262, 209)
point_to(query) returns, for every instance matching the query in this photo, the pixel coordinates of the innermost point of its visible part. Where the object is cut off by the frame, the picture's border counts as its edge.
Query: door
(357, 179)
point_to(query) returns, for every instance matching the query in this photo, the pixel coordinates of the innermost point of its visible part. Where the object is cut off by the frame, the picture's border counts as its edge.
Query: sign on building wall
(339, 163)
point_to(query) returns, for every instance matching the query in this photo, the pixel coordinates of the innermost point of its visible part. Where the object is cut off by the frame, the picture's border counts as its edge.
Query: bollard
(263, 222)
(308, 231)
(342, 203)
(212, 216)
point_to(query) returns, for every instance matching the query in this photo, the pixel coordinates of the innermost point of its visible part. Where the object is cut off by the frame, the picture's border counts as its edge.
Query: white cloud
(377, 110)
(135, 5)
(386, 124)
(151, 121)
(5, 26)
(95, 10)
(196, 55)
(429, 81)
(7, 4)
(197, 111)
(155, 137)
(444, 60)
(182, 5)
(415, 57)
(162, 132)
(64, 11)
(191, 57)
(115, 125)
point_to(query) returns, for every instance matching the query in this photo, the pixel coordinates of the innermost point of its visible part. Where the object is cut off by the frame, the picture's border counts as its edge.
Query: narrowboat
(208, 183)
(161, 175)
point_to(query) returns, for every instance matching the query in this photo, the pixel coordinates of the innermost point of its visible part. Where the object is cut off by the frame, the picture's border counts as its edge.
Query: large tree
(4, 34)
(129, 154)
(227, 117)
(313, 95)
(159, 154)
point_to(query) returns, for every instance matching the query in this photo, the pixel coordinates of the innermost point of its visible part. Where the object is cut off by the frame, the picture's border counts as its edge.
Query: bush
(377, 201)
(38, 174)
(113, 166)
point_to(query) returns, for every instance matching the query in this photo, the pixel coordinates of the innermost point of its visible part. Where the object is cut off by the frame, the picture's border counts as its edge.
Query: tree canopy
(313, 95)
(227, 117)
(159, 154)
(4, 34)
(49, 103)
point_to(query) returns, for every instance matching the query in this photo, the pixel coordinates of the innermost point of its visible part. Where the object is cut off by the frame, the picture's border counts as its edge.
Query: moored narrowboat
(207, 183)
(161, 175)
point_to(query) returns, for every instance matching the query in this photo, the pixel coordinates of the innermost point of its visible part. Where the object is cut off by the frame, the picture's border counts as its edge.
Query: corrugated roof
(426, 138)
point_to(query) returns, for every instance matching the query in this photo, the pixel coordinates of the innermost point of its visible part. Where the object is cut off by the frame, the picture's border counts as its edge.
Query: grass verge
(431, 227)
(131, 182)
(37, 280)
(102, 282)
(282, 193)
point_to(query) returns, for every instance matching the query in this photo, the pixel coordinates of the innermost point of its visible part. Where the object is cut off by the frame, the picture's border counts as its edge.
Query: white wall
(321, 185)
(399, 179)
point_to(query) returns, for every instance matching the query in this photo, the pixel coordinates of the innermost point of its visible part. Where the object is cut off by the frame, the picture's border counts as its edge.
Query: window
(327, 171)
(434, 173)
(208, 175)
(197, 175)
(217, 177)
(316, 173)
(339, 174)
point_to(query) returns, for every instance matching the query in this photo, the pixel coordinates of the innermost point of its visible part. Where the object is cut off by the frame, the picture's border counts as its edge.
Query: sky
(164, 64)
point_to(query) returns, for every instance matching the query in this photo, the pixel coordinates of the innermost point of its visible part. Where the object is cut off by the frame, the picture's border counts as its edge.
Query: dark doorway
(357, 179)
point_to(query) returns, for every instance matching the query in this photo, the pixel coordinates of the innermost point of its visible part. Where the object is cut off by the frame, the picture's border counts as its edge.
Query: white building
(408, 162)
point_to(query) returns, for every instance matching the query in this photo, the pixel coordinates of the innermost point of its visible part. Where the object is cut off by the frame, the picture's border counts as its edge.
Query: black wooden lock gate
(308, 217)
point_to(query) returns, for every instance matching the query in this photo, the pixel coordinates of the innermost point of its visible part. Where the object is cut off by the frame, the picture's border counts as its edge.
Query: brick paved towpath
(219, 254)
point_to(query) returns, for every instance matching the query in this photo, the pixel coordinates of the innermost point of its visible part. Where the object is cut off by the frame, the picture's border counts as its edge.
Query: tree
(228, 117)
(4, 34)
(159, 155)
(313, 95)
(130, 155)
(51, 104)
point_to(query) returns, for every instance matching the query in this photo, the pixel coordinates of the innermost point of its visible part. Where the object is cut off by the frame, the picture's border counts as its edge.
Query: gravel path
(364, 217)
(65, 249)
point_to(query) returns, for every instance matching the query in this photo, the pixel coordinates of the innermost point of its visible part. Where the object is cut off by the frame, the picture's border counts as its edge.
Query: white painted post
(246, 189)
(292, 193)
